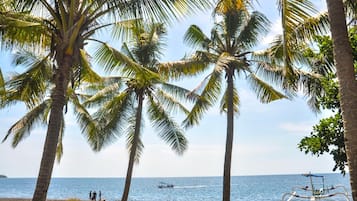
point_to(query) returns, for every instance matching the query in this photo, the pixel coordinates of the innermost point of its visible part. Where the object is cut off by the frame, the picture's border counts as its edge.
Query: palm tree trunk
(53, 129)
(229, 141)
(348, 86)
(134, 146)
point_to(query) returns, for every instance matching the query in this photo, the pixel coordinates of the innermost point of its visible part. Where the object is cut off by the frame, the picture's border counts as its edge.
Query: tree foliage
(328, 135)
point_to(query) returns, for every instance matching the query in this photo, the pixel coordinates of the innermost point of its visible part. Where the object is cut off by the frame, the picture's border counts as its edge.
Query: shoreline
(25, 199)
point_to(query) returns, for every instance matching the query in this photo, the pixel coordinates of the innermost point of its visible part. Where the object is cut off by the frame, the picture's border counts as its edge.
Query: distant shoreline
(23, 199)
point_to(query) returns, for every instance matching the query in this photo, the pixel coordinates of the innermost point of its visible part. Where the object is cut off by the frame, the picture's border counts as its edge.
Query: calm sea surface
(244, 188)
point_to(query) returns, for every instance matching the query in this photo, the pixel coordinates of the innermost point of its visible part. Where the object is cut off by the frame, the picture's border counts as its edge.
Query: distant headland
(3, 176)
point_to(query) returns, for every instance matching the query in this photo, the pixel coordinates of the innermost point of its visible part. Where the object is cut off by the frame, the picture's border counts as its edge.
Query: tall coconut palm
(228, 49)
(62, 30)
(32, 88)
(347, 81)
(122, 105)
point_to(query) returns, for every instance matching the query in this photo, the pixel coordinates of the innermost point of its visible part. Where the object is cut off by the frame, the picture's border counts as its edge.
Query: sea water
(243, 188)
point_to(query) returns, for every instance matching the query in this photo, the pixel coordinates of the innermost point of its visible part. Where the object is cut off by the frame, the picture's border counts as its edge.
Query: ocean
(243, 188)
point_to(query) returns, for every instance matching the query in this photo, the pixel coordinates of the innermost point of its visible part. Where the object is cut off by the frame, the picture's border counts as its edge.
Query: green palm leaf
(2, 89)
(23, 30)
(59, 150)
(264, 91)
(236, 101)
(111, 117)
(195, 37)
(31, 85)
(208, 97)
(256, 24)
(130, 132)
(88, 125)
(22, 128)
(170, 103)
(87, 73)
(187, 67)
(168, 130)
(165, 10)
(103, 95)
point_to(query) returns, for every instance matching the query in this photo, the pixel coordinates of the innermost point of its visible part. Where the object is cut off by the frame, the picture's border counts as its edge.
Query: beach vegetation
(346, 76)
(327, 136)
(227, 53)
(140, 87)
(61, 29)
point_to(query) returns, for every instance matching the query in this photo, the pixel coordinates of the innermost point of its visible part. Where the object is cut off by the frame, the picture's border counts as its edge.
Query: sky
(265, 137)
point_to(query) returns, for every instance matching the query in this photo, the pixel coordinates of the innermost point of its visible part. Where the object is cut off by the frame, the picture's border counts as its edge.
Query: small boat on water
(317, 191)
(165, 185)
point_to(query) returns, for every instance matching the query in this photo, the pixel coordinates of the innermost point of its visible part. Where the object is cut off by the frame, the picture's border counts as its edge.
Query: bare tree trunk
(348, 87)
(229, 141)
(129, 172)
(53, 130)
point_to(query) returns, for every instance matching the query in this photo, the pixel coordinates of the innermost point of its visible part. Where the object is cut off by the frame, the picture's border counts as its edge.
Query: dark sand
(23, 199)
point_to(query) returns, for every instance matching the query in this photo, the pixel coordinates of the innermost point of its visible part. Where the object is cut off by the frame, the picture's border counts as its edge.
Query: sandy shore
(22, 199)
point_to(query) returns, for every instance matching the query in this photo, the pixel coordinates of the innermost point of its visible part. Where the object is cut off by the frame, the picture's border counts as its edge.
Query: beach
(22, 199)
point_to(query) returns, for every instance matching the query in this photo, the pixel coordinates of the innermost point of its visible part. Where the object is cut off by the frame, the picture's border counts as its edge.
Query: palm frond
(236, 101)
(110, 59)
(179, 93)
(2, 90)
(224, 7)
(22, 128)
(111, 118)
(311, 85)
(169, 102)
(209, 91)
(30, 86)
(24, 31)
(130, 132)
(163, 11)
(265, 92)
(103, 95)
(88, 75)
(311, 27)
(351, 10)
(168, 130)
(89, 126)
(123, 30)
(195, 37)
(178, 69)
(256, 24)
(59, 149)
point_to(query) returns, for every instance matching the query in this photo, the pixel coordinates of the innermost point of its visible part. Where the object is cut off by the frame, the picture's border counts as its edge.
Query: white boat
(165, 185)
(317, 191)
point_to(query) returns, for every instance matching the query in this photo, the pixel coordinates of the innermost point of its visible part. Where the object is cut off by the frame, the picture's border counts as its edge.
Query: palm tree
(228, 49)
(32, 88)
(343, 53)
(123, 104)
(62, 31)
(347, 81)
(300, 23)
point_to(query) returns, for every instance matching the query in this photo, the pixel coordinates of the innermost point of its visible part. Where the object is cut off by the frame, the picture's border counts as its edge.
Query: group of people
(93, 196)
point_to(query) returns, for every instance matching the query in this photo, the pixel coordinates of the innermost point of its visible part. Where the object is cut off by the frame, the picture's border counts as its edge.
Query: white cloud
(275, 30)
(297, 128)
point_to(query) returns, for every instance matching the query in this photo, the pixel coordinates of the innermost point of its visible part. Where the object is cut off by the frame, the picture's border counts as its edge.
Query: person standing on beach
(94, 197)
(90, 195)
(100, 195)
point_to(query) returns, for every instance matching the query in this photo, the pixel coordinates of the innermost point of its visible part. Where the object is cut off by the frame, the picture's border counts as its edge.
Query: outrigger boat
(165, 185)
(313, 193)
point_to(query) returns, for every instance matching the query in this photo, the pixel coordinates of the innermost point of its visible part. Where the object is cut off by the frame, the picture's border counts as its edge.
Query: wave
(195, 186)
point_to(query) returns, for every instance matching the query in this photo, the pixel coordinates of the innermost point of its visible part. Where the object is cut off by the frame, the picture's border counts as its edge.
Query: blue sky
(266, 135)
